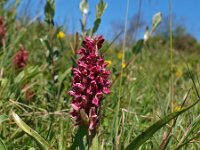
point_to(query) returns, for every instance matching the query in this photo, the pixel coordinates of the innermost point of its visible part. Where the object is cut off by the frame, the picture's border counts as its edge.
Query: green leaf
(4, 82)
(79, 139)
(30, 131)
(137, 48)
(100, 8)
(26, 74)
(49, 11)
(46, 43)
(3, 118)
(49, 53)
(48, 46)
(96, 25)
(149, 132)
(95, 144)
(157, 18)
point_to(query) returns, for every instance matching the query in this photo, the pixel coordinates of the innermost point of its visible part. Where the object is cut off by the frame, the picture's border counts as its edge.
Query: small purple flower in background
(90, 83)
(21, 58)
(29, 93)
(2, 31)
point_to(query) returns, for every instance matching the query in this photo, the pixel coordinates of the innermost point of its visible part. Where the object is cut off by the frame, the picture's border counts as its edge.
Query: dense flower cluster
(21, 58)
(90, 83)
(2, 31)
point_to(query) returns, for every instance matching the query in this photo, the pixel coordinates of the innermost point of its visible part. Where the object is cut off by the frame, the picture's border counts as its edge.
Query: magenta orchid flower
(90, 84)
(2, 31)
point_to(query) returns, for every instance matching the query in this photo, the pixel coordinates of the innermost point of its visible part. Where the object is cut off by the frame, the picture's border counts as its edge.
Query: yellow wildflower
(109, 62)
(123, 65)
(178, 73)
(60, 35)
(119, 55)
(177, 108)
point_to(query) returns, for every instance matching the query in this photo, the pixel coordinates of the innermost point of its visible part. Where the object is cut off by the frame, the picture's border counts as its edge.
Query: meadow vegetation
(151, 86)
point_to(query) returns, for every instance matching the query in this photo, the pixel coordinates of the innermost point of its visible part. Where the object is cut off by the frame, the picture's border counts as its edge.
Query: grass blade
(30, 131)
(3, 118)
(2, 145)
(144, 136)
(188, 131)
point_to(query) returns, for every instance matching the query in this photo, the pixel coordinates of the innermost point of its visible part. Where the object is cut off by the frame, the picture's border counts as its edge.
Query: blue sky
(186, 12)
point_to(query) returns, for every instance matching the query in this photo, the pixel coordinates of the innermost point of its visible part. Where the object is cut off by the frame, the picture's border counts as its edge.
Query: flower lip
(76, 106)
(106, 90)
(99, 40)
(95, 101)
(78, 86)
